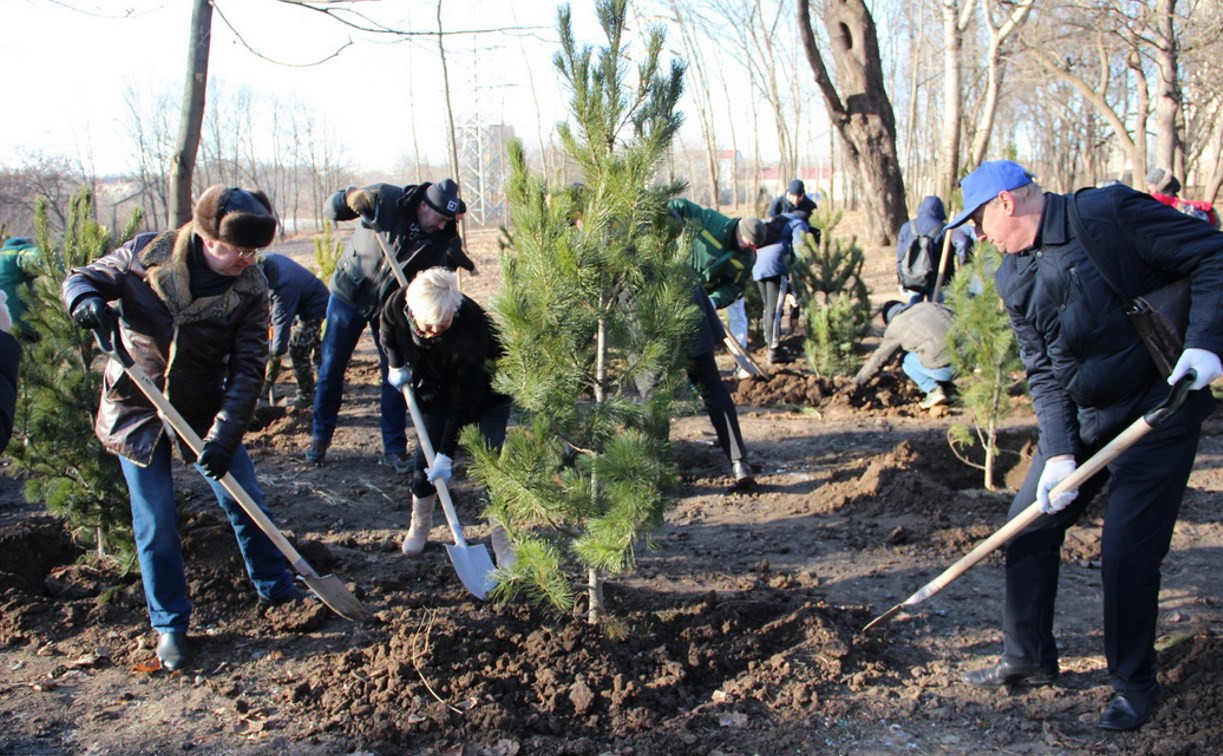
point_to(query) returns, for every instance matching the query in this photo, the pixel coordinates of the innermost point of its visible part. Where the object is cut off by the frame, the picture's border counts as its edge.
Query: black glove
(361, 201)
(458, 258)
(215, 460)
(93, 313)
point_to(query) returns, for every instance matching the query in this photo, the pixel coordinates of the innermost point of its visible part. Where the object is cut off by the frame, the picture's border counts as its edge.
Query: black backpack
(918, 266)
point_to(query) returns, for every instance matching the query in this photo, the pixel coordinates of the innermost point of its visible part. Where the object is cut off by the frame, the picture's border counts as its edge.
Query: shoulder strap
(1103, 264)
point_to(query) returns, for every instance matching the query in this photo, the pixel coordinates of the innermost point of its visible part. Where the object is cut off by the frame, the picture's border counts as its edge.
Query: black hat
(444, 198)
(237, 217)
(752, 229)
(890, 309)
(797, 188)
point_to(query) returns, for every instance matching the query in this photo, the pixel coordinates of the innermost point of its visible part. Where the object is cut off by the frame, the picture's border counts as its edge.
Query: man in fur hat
(193, 313)
(418, 224)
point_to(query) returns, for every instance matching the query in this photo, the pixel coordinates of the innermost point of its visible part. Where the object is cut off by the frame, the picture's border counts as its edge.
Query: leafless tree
(182, 168)
(860, 110)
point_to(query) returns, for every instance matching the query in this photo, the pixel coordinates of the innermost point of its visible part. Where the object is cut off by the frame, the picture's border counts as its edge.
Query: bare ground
(739, 633)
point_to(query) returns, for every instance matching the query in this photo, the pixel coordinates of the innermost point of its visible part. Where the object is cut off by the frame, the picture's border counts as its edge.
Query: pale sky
(70, 63)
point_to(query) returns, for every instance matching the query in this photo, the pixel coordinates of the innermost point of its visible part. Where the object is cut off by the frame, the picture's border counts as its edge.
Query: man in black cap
(794, 201)
(194, 318)
(418, 224)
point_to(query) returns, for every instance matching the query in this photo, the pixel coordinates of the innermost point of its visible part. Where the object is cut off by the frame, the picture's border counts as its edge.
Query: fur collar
(165, 261)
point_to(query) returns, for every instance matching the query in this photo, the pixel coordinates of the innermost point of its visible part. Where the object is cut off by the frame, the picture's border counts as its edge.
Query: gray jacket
(920, 328)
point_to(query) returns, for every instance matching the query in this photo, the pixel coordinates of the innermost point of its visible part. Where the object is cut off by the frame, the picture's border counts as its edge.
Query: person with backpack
(919, 245)
(771, 271)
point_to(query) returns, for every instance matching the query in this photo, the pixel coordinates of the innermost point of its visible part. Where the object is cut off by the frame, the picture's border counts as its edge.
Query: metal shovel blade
(474, 567)
(336, 596)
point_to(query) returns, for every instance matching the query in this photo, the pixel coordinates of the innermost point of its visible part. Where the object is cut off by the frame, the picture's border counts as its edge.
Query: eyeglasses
(247, 253)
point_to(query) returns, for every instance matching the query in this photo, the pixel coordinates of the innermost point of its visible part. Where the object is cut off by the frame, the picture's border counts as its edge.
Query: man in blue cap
(1090, 377)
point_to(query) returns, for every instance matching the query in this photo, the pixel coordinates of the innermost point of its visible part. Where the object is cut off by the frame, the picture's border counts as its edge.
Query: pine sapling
(595, 301)
(67, 468)
(985, 357)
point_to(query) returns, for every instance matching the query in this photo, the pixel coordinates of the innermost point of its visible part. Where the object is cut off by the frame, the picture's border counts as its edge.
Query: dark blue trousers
(1146, 485)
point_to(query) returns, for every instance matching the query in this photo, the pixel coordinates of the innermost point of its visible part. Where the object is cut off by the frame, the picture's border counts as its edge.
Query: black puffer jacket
(206, 354)
(1088, 371)
(362, 278)
(452, 373)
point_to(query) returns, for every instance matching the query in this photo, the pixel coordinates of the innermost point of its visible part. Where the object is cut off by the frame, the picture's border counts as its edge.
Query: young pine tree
(66, 467)
(595, 299)
(828, 278)
(985, 357)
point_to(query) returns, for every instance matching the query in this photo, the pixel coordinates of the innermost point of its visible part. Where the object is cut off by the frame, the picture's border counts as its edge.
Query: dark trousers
(703, 373)
(1146, 485)
(770, 291)
(492, 423)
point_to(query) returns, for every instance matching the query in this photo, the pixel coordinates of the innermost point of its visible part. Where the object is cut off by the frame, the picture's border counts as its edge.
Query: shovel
(1095, 464)
(472, 563)
(327, 587)
(742, 357)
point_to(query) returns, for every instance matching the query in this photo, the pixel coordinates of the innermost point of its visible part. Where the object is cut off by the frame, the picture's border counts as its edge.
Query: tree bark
(182, 167)
(863, 116)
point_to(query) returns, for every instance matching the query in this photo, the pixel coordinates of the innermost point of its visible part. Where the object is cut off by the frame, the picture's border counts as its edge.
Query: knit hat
(237, 217)
(890, 309)
(444, 198)
(752, 229)
(1162, 181)
(796, 188)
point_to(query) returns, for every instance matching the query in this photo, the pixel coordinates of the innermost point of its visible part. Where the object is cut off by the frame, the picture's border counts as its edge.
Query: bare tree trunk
(182, 168)
(699, 86)
(953, 106)
(1169, 146)
(863, 116)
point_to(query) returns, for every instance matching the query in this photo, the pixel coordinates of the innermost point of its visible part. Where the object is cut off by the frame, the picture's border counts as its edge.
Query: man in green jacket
(722, 252)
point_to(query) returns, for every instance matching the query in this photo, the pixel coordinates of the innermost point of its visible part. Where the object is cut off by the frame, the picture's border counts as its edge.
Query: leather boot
(422, 523)
(172, 650)
(503, 548)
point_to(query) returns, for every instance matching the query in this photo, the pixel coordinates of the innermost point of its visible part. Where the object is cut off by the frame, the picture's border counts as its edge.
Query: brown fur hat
(238, 217)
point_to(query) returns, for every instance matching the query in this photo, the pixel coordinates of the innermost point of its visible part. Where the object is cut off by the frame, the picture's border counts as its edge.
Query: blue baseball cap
(990, 179)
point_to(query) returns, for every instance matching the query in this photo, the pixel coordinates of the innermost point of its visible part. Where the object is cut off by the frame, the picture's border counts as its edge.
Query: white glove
(1203, 361)
(1056, 470)
(440, 469)
(6, 320)
(398, 376)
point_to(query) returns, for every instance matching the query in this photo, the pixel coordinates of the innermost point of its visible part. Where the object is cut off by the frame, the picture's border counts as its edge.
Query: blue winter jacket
(773, 259)
(294, 291)
(1088, 371)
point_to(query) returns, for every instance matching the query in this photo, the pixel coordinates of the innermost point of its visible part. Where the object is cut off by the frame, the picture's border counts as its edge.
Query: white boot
(503, 548)
(422, 523)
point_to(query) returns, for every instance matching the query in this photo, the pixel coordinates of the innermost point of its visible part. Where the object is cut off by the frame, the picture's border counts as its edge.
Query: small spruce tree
(985, 356)
(66, 467)
(595, 298)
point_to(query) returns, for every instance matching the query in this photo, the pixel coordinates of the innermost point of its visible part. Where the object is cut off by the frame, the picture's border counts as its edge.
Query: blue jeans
(155, 525)
(927, 379)
(344, 328)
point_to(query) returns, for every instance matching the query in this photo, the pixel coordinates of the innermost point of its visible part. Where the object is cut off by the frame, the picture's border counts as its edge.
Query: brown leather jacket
(207, 354)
